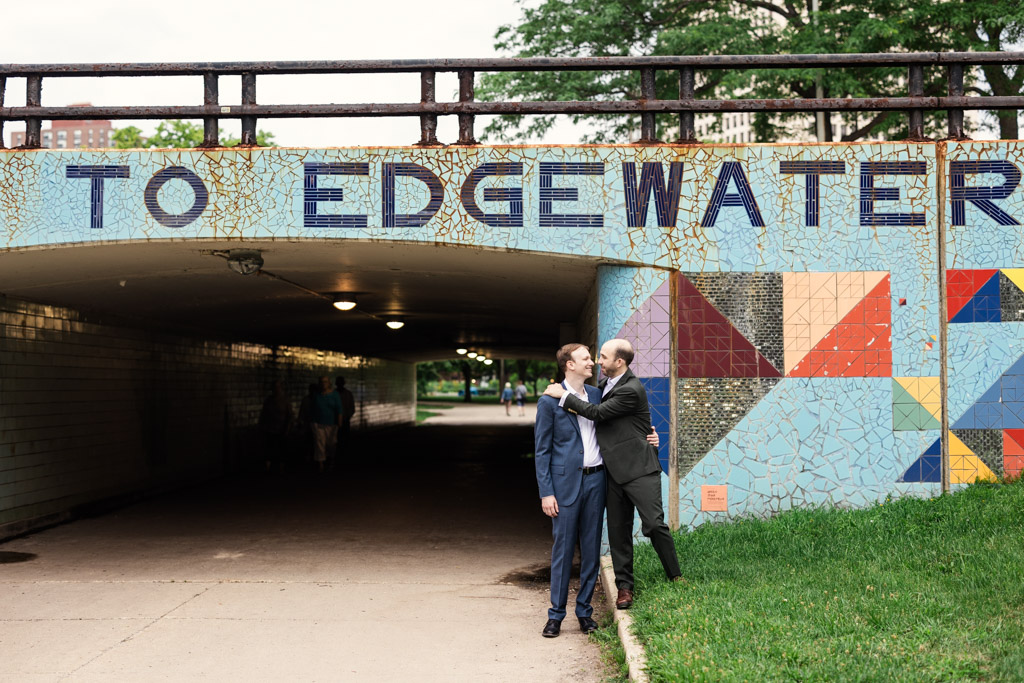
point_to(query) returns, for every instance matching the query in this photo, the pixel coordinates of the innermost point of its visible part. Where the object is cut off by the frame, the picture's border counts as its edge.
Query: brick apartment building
(72, 134)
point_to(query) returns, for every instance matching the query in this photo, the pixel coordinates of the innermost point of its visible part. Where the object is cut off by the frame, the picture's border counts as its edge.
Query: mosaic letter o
(182, 219)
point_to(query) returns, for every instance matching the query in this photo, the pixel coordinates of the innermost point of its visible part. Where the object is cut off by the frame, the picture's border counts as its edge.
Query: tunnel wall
(95, 410)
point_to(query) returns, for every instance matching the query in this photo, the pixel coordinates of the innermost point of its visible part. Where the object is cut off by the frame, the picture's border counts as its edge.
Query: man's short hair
(624, 350)
(564, 355)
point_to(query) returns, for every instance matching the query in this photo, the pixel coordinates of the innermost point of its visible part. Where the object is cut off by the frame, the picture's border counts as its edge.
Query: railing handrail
(865, 59)
(466, 108)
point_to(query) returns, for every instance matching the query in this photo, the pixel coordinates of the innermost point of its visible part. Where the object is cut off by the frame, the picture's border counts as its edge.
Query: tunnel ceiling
(504, 304)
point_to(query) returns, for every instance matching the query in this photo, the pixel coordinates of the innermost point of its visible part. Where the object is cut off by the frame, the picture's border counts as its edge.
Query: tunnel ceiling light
(461, 352)
(395, 323)
(344, 302)
(471, 354)
(245, 261)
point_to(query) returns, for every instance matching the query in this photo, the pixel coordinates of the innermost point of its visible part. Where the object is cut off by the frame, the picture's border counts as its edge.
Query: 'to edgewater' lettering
(660, 183)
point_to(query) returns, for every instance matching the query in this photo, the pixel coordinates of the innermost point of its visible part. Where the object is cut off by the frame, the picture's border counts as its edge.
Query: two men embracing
(595, 447)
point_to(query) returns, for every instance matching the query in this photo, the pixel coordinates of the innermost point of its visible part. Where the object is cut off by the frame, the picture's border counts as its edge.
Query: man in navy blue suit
(570, 477)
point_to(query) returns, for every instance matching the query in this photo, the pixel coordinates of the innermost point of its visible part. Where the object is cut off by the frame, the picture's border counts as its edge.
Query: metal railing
(467, 108)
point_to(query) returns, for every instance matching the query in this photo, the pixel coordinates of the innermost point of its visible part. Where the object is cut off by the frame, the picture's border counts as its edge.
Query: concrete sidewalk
(400, 565)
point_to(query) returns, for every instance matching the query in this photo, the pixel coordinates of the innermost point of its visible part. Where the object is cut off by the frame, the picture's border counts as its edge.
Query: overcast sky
(76, 31)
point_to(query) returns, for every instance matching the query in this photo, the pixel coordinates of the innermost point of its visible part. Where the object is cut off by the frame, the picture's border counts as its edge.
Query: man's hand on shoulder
(549, 505)
(554, 390)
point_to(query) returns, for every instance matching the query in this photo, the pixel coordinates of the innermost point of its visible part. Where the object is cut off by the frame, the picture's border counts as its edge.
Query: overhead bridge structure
(816, 324)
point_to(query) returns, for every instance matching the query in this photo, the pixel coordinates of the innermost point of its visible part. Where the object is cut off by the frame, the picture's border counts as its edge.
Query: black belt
(592, 470)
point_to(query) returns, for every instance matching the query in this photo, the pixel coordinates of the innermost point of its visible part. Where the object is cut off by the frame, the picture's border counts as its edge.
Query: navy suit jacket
(558, 449)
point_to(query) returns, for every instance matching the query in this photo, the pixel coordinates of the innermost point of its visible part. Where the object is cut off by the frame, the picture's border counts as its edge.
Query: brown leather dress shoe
(625, 599)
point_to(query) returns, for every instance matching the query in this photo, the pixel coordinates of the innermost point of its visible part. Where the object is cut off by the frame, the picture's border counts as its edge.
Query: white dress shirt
(591, 451)
(611, 383)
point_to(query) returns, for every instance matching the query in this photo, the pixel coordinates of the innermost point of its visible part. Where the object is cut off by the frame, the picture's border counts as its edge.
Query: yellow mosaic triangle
(1016, 276)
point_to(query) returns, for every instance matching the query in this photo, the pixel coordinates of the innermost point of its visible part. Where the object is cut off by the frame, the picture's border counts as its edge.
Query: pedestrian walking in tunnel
(520, 396)
(326, 415)
(506, 398)
(348, 409)
(275, 423)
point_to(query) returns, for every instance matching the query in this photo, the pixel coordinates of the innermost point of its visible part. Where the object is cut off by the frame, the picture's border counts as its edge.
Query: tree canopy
(599, 28)
(177, 134)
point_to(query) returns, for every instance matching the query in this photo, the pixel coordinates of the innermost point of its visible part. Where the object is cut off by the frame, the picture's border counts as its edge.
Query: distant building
(72, 134)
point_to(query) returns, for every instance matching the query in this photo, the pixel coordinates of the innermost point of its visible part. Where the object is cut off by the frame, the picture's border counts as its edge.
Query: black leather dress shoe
(587, 625)
(552, 628)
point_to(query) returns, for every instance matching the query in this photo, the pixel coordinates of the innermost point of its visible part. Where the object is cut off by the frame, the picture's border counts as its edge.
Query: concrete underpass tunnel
(135, 368)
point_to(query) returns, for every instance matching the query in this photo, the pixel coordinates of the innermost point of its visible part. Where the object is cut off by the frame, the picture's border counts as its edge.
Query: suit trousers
(643, 495)
(582, 521)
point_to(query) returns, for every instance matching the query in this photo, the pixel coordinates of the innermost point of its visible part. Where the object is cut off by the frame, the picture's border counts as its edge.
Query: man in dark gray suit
(623, 420)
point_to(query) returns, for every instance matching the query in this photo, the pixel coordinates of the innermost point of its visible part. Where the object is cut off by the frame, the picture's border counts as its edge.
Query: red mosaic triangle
(859, 346)
(709, 345)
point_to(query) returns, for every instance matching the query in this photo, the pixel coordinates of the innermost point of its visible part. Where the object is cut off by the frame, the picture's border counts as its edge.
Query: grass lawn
(423, 413)
(912, 590)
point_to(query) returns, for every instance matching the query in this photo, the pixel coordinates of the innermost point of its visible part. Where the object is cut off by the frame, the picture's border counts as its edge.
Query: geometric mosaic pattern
(649, 329)
(965, 467)
(837, 324)
(752, 303)
(916, 403)
(1001, 406)
(1013, 452)
(987, 295)
(709, 408)
(987, 444)
(709, 344)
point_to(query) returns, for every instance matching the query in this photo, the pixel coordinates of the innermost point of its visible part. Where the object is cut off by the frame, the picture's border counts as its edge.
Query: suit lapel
(622, 380)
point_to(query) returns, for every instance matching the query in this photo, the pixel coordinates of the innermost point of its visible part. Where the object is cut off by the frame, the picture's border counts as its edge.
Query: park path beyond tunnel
(421, 557)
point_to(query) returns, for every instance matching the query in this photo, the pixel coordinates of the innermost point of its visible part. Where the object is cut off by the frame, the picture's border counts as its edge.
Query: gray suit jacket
(623, 421)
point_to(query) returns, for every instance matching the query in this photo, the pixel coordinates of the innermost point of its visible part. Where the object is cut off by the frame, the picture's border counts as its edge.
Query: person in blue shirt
(506, 398)
(326, 415)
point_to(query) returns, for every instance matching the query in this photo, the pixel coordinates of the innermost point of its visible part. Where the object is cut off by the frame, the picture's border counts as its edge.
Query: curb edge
(636, 660)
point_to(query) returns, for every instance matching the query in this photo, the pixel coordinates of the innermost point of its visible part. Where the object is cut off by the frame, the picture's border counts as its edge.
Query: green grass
(422, 413)
(912, 590)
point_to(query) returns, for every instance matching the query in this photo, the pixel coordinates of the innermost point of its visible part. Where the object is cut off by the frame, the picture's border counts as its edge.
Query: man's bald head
(616, 355)
(621, 348)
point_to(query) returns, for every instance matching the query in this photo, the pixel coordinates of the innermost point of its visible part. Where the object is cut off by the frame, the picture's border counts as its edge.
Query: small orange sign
(714, 498)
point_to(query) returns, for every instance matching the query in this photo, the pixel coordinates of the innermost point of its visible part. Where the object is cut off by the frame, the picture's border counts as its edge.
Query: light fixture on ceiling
(395, 323)
(471, 354)
(245, 261)
(461, 352)
(481, 358)
(344, 302)
(488, 361)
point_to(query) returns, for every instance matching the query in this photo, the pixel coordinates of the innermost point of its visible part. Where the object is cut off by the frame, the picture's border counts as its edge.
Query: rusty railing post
(248, 98)
(211, 124)
(687, 127)
(955, 77)
(648, 127)
(466, 94)
(915, 117)
(3, 90)
(33, 98)
(428, 122)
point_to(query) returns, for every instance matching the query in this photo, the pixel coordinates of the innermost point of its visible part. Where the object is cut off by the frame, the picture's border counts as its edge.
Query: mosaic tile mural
(804, 282)
(635, 304)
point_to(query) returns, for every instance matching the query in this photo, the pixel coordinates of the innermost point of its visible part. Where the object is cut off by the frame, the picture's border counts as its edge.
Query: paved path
(480, 414)
(397, 568)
